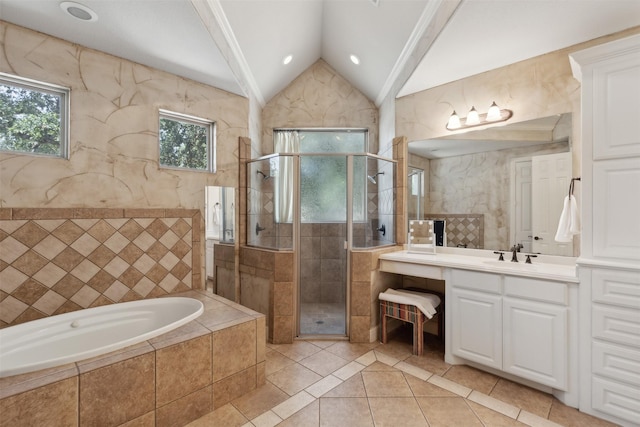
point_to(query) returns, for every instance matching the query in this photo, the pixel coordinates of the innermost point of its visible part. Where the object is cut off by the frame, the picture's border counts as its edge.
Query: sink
(511, 265)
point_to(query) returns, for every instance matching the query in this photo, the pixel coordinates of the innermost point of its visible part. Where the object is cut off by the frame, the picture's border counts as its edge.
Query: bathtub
(78, 335)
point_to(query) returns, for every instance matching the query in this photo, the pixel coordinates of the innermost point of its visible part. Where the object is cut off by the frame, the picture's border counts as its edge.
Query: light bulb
(473, 118)
(454, 121)
(494, 113)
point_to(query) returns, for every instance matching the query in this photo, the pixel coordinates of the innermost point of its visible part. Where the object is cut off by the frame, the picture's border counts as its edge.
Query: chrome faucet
(514, 252)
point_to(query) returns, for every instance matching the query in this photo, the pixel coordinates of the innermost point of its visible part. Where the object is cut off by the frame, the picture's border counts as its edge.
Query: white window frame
(65, 102)
(211, 138)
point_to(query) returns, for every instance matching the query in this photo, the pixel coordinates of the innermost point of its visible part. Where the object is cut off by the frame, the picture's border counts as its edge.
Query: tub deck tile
(114, 357)
(16, 384)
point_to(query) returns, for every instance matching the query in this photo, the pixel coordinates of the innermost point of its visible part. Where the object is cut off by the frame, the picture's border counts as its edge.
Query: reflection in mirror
(219, 222)
(415, 193)
(480, 182)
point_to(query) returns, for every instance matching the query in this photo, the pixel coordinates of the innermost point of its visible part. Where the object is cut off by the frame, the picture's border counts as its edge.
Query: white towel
(426, 303)
(569, 224)
(216, 214)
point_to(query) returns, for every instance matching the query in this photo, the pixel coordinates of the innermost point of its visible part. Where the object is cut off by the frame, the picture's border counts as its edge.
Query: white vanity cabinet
(476, 315)
(609, 263)
(513, 324)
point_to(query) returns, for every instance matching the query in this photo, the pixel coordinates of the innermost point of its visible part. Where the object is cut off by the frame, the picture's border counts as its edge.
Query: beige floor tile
(293, 379)
(367, 359)
(353, 387)
(226, 415)
(422, 388)
(448, 411)
(349, 370)
(431, 362)
(352, 412)
(378, 366)
(349, 351)
(259, 400)
(472, 378)
(293, 404)
(324, 343)
(523, 397)
(268, 419)
(453, 387)
(386, 384)
(534, 420)
(309, 416)
(396, 349)
(413, 370)
(276, 361)
(323, 362)
(493, 418)
(386, 359)
(323, 386)
(397, 411)
(494, 404)
(571, 417)
(296, 351)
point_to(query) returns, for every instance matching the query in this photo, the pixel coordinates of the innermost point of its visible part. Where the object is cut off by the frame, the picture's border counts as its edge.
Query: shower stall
(321, 207)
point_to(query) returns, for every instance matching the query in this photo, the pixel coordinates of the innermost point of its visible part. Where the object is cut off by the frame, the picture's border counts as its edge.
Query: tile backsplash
(54, 261)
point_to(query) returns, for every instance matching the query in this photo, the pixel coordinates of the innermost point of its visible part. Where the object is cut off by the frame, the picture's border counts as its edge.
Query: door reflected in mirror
(470, 181)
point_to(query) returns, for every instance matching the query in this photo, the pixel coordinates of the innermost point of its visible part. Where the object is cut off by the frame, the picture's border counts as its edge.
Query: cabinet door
(535, 341)
(477, 327)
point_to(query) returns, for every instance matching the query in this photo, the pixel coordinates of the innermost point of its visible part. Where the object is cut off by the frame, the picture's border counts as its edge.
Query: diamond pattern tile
(49, 267)
(463, 229)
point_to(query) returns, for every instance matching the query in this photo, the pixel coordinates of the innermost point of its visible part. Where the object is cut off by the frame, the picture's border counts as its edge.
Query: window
(34, 117)
(323, 179)
(186, 142)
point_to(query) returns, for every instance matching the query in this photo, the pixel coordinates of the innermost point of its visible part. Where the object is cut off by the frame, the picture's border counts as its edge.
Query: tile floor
(336, 383)
(322, 318)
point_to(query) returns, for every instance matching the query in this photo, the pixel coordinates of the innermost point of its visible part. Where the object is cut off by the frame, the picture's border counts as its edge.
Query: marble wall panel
(319, 97)
(113, 153)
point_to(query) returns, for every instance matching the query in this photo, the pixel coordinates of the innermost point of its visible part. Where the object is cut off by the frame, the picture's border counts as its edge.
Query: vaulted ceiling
(240, 45)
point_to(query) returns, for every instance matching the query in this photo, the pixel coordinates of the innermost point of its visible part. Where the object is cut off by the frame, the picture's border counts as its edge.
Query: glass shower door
(323, 236)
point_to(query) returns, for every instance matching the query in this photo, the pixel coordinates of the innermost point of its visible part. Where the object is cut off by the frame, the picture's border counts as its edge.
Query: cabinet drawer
(534, 289)
(616, 324)
(613, 398)
(616, 362)
(484, 282)
(616, 287)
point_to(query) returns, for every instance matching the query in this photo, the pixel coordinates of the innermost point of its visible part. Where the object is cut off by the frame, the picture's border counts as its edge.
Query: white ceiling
(239, 45)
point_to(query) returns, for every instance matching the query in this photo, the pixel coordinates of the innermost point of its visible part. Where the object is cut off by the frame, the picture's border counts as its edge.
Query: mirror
(219, 225)
(482, 184)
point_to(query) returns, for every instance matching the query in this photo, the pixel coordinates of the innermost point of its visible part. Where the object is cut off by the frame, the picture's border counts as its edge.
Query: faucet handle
(501, 257)
(529, 256)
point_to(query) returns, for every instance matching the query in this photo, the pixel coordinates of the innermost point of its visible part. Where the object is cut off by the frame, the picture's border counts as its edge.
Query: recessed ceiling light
(287, 59)
(354, 59)
(79, 11)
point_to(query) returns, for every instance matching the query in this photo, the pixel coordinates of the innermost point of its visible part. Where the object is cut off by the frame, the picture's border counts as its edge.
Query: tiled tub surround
(54, 261)
(169, 380)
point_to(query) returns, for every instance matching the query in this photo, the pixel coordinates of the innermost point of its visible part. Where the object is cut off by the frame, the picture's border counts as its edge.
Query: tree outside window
(33, 117)
(186, 142)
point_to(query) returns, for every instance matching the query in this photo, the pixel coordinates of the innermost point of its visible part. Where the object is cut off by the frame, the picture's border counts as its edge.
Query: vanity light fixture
(494, 115)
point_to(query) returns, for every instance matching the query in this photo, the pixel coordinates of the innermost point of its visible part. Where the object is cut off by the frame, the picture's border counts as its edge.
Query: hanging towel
(216, 214)
(569, 224)
(426, 303)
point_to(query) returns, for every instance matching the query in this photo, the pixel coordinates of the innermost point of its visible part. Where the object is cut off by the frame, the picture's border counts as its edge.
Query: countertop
(543, 267)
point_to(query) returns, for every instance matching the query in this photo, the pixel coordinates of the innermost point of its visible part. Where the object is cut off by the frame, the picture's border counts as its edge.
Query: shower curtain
(285, 142)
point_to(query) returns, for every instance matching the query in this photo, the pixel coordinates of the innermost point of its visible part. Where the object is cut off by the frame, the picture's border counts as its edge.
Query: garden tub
(70, 337)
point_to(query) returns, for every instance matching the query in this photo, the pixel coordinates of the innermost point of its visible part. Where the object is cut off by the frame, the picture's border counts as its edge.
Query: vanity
(516, 320)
